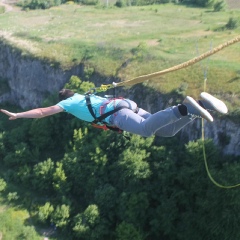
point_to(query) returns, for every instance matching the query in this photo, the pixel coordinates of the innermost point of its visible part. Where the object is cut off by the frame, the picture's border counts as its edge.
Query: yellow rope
(205, 158)
(177, 67)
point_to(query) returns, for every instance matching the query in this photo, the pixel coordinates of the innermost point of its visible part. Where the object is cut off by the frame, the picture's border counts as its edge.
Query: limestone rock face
(225, 134)
(30, 80)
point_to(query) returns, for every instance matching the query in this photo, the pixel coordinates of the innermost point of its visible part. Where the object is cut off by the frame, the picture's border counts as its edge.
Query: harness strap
(103, 116)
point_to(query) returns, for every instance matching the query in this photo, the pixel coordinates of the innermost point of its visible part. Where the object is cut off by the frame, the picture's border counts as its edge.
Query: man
(129, 117)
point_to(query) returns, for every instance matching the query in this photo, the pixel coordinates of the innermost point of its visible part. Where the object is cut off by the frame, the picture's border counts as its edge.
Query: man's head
(65, 93)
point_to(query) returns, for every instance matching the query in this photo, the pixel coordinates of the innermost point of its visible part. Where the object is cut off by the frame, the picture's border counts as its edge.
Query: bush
(219, 6)
(232, 23)
(2, 9)
(120, 3)
(12, 196)
(39, 4)
(90, 2)
(3, 185)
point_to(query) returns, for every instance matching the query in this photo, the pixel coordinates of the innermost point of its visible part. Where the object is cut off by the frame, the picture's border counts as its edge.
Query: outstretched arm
(35, 113)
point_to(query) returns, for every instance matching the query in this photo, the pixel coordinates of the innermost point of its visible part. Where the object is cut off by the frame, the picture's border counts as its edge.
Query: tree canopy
(94, 184)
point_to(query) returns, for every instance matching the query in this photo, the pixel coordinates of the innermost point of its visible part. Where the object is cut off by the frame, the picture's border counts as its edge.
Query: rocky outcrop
(224, 132)
(31, 81)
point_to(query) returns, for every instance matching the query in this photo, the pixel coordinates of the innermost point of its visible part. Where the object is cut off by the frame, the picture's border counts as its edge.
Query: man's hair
(65, 93)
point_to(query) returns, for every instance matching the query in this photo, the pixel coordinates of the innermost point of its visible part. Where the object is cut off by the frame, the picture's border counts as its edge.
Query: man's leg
(172, 129)
(129, 121)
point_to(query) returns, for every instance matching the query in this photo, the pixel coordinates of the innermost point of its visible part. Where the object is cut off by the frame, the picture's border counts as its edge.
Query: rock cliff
(30, 80)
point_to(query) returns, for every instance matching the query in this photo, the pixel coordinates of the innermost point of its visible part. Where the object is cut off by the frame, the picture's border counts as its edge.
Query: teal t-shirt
(76, 105)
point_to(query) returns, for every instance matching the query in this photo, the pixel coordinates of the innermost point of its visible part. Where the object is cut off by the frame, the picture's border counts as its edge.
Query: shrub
(12, 196)
(232, 23)
(2, 9)
(3, 185)
(219, 6)
(90, 2)
(39, 4)
(120, 3)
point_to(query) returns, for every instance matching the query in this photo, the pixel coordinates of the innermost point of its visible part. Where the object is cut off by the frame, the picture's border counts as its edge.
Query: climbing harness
(99, 122)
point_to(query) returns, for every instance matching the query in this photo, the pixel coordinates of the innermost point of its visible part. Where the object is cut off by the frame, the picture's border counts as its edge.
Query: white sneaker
(212, 103)
(195, 110)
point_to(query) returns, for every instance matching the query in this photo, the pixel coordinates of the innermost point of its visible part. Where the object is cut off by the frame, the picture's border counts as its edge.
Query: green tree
(45, 211)
(28, 233)
(3, 185)
(60, 216)
(43, 176)
(132, 207)
(202, 3)
(85, 223)
(126, 231)
(77, 85)
(12, 196)
(60, 183)
(219, 6)
(20, 155)
(25, 175)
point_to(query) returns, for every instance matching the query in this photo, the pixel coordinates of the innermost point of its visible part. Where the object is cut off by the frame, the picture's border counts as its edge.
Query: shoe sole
(217, 104)
(204, 113)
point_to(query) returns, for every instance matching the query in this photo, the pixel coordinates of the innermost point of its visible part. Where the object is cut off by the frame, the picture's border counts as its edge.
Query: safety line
(205, 158)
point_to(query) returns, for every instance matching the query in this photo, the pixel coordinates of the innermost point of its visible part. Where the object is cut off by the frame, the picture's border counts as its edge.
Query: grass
(105, 38)
(147, 39)
(13, 224)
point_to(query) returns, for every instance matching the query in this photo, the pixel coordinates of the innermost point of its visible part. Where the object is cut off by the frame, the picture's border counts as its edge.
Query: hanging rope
(177, 67)
(205, 158)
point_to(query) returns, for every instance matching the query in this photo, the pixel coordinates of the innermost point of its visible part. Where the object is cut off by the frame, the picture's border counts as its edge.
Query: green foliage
(60, 216)
(43, 175)
(12, 226)
(60, 183)
(38, 4)
(120, 3)
(77, 85)
(131, 189)
(219, 6)
(84, 223)
(20, 155)
(88, 72)
(3, 185)
(25, 175)
(44, 212)
(90, 2)
(139, 51)
(202, 3)
(12, 196)
(181, 90)
(2, 9)
(27, 233)
(127, 231)
(232, 23)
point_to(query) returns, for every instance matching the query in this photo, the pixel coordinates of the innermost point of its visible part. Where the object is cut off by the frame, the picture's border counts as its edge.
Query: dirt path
(9, 5)
(233, 4)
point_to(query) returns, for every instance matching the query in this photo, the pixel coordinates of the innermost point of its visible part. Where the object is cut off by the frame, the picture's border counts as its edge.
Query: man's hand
(12, 116)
